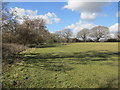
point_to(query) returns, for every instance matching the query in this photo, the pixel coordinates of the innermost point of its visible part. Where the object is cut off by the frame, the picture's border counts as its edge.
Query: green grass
(75, 65)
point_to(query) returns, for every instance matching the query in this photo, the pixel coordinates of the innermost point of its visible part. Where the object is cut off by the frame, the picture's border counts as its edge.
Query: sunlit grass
(75, 65)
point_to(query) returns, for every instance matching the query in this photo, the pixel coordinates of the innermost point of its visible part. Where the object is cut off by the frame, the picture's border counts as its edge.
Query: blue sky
(67, 17)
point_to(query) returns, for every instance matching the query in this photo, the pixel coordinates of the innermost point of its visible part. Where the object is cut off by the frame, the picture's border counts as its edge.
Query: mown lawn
(75, 65)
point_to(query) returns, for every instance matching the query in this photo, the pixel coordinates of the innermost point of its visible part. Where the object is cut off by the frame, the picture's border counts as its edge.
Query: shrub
(42, 45)
(111, 40)
(9, 38)
(10, 50)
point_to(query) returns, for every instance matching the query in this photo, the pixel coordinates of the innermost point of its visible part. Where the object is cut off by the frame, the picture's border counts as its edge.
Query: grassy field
(75, 65)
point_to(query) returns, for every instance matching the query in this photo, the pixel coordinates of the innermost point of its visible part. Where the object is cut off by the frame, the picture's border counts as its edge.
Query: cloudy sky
(70, 14)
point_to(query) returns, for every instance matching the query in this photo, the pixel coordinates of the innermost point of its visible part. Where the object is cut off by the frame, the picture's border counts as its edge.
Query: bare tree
(7, 25)
(27, 32)
(83, 34)
(67, 33)
(9, 20)
(117, 35)
(99, 32)
(59, 36)
(33, 31)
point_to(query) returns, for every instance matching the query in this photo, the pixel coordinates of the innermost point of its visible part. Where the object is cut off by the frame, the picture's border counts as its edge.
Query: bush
(10, 50)
(42, 45)
(111, 40)
(9, 38)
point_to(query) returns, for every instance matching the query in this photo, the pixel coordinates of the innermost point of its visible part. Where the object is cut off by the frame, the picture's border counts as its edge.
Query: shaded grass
(78, 65)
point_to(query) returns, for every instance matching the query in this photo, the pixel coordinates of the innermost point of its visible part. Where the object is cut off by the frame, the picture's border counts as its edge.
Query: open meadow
(73, 65)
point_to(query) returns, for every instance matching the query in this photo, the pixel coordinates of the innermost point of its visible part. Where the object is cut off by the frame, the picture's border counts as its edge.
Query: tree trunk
(97, 40)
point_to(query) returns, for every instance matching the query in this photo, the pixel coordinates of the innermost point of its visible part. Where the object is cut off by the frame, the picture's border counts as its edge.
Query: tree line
(34, 31)
(87, 35)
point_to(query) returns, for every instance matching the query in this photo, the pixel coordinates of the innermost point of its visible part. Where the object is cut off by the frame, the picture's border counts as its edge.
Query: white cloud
(79, 26)
(118, 14)
(49, 18)
(114, 28)
(88, 16)
(57, 20)
(72, 26)
(88, 10)
(85, 6)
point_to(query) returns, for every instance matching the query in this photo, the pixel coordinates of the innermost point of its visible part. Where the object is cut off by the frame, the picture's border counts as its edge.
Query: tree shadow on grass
(92, 54)
(111, 83)
(51, 67)
(54, 61)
